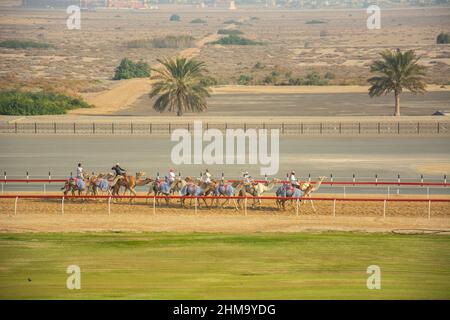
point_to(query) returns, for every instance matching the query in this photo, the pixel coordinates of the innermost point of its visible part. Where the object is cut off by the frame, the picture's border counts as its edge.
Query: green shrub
(128, 69)
(183, 41)
(313, 79)
(40, 103)
(329, 75)
(229, 31)
(24, 44)
(198, 20)
(245, 79)
(236, 40)
(232, 21)
(314, 21)
(259, 65)
(442, 38)
(174, 17)
(208, 81)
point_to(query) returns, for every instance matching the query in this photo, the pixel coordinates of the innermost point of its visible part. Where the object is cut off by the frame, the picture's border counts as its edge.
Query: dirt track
(46, 216)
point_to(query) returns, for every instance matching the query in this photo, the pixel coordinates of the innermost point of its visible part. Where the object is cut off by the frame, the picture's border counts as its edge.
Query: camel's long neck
(318, 185)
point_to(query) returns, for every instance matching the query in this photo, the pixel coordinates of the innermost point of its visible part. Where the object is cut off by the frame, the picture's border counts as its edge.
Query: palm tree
(180, 86)
(397, 71)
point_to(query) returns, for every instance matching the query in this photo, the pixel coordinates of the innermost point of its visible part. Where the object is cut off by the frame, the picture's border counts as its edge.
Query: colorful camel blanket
(287, 190)
(103, 185)
(81, 185)
(191, 190)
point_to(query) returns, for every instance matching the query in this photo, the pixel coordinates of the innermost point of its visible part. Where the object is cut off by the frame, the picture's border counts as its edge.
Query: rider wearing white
(171, 176)
(80, 174)
(293, 180)
(247, 178)
(207, 176)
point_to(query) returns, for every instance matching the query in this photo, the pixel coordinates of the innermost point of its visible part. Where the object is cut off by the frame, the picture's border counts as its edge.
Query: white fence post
(154, 204)
(245, 205)
(62, 205)
(384, 209)
(195, 204)
(296, 207)
(15, 206)
(334, 208)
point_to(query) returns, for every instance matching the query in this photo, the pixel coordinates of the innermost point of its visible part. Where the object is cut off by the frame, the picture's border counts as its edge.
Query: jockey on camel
(119, 174)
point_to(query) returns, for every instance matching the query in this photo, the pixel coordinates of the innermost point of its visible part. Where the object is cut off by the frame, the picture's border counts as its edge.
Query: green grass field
(224, 266)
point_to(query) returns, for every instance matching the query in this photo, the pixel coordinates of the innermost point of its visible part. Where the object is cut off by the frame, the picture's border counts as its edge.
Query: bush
(245, 79)
(313, 79)
(232, 21)
(314, 21)
(229, 31)
(128, 69)
(236, 40)
(24, 44)
(198, 20)
(208, 81)
(329, 75)
(182, 41)
(259, 65)
(174, 17)
(323, 33)
(28, 103)
(442, 38)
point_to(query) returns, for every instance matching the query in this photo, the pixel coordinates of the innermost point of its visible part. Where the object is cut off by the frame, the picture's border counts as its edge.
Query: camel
(130, 183)
(287, 192)
(197, 188)
(256, 190)
(75, 184)
(159, 187)
(310, 188)
(227, 190)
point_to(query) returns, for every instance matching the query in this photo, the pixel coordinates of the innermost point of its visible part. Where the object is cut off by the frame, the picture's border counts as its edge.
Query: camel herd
(189, 188)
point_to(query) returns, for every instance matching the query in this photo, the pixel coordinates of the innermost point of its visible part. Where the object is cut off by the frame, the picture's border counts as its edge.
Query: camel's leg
(235, 205)
(225, 202)
(312, 205)
(132, 192)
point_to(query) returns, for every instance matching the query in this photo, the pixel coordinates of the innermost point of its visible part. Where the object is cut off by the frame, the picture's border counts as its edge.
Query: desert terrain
(82, 62)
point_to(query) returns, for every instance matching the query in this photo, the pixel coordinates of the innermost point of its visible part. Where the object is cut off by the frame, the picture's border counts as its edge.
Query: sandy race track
(47, 216)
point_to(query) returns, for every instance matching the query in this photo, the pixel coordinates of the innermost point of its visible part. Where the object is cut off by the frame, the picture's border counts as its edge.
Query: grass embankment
(37, 103)
(220, 266)
(24, 44)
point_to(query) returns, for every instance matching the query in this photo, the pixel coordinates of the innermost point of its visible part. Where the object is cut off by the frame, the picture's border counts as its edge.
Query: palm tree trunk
(397, 104)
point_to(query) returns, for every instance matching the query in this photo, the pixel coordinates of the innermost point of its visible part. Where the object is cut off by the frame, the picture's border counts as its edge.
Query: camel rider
(248, 180)
(171, 176)
(293, 180)
(207, 176)
(80, 174)
(119, 173)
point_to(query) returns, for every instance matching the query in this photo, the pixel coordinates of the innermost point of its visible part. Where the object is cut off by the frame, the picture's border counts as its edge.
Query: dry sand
(46, 216)
(126, 92)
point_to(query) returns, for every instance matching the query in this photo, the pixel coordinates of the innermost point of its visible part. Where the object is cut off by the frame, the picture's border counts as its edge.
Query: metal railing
(424, 127)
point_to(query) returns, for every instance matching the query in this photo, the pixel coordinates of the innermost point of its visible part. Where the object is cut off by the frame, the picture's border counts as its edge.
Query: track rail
(343, 183)
(36, 196)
